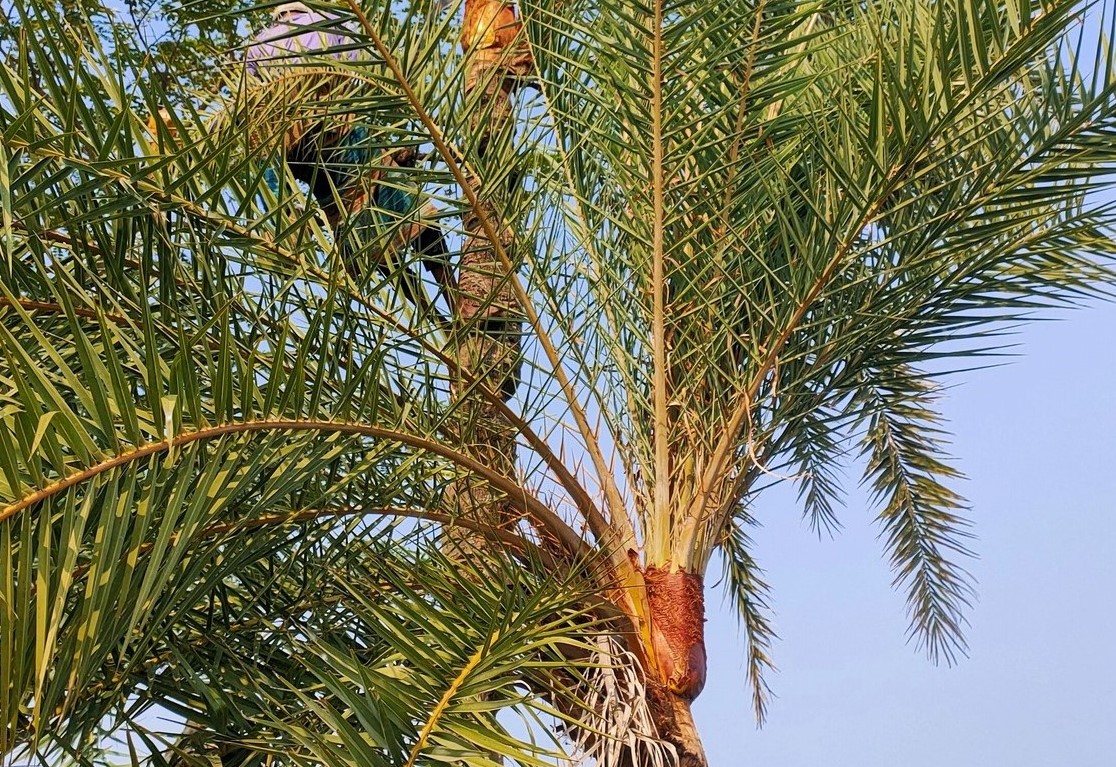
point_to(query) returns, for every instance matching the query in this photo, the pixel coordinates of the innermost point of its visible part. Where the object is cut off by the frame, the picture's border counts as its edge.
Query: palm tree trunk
(488, 323)
(675, 723)
(487, 326)
(676, 658)
(487, 345)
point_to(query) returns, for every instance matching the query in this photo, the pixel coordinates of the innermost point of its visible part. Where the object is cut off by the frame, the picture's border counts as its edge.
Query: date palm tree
(701, 248)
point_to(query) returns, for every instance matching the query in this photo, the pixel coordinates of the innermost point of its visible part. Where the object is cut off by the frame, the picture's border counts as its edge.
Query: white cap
(289, 9)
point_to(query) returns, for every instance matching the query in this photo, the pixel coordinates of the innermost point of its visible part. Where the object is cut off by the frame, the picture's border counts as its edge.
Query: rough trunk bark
(676, 725)
(488, 324)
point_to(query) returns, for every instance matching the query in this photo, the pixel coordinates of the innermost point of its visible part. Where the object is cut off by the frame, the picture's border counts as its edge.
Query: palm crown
(726, 243)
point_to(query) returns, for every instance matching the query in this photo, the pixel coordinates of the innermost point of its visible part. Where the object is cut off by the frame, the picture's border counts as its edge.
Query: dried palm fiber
(608, 715)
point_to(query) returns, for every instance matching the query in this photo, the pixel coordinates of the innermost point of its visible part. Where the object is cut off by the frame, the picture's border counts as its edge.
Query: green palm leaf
(742, 239)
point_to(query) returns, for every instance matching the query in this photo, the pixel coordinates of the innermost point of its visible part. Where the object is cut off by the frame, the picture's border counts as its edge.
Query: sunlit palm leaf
(751, 236)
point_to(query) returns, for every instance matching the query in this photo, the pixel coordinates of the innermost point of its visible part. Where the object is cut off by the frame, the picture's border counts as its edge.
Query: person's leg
(430, 243)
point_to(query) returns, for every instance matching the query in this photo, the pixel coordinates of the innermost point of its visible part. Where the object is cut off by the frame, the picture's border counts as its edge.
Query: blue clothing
(379, 216)
(271, 178)
(328, 170)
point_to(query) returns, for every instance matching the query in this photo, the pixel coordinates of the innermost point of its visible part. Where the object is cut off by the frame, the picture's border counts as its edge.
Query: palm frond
(750, 594)
(735, 236)
(923, 531)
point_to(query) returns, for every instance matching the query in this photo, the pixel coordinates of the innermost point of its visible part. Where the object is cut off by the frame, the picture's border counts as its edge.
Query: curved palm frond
(741, 238)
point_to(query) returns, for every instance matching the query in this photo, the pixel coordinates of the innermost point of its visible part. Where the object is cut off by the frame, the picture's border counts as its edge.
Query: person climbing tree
(293, 62)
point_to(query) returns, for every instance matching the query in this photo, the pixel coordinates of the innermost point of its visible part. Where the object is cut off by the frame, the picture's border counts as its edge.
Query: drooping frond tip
(750, 594)
(923, 530)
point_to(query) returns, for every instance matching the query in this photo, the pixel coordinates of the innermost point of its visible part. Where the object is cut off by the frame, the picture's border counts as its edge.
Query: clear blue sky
(1037, 439)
